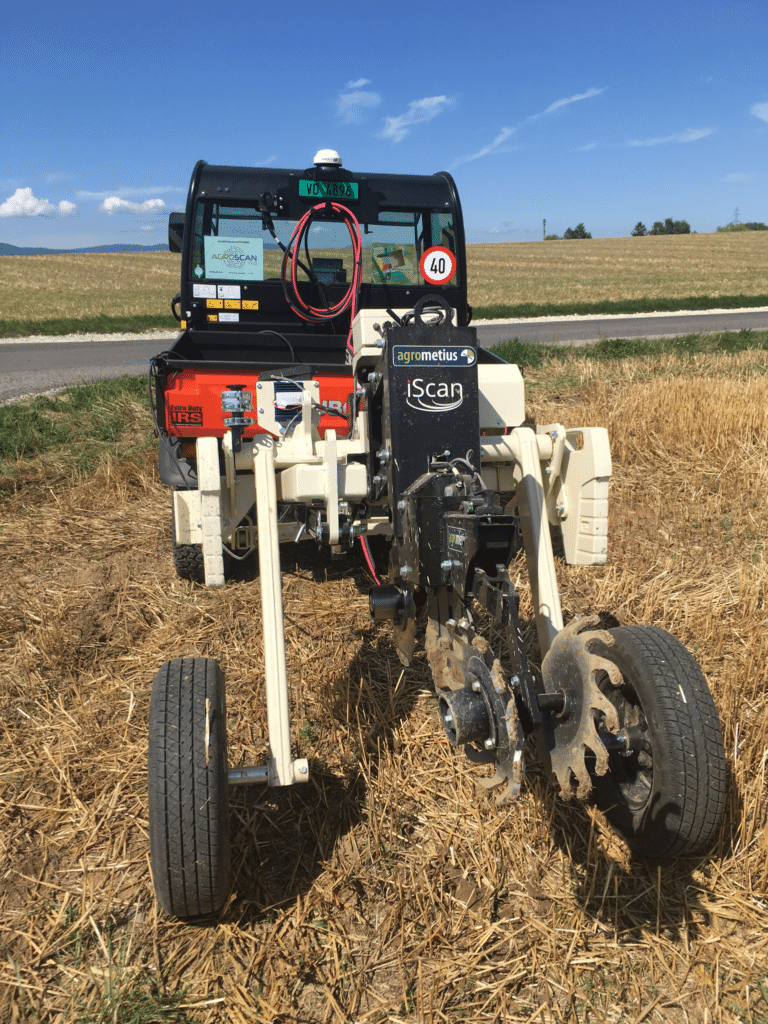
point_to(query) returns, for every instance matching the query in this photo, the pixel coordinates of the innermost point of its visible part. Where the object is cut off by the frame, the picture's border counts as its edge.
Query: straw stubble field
(389, 888)
(40, 288)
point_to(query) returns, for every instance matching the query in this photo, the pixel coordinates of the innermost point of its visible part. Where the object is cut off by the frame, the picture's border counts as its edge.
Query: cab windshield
(236, 242)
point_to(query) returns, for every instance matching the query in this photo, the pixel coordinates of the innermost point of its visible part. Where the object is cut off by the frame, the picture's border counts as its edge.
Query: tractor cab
(278, 262)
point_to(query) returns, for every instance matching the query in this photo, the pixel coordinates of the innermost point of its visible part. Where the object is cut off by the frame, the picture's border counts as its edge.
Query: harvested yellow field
(390, 888)
(93, 284)
(562, 272)
(599, 269)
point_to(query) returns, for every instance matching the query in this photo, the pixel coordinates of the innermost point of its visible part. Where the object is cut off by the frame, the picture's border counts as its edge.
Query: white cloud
(23, 204)
(114, 204)
(689, 135)
(505, 133)
(738, 176)
(419, 111)
(493, 147)
(358, 84)
(571, 99)
(122, 192)
(759, 110)
(353, 106)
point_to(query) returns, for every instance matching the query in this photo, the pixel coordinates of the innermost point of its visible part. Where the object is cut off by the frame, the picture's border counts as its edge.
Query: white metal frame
(560, 477)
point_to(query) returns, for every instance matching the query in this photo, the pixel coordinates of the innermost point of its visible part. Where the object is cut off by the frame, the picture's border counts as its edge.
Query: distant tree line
(751, 225)
(578, 232)
(667, 227)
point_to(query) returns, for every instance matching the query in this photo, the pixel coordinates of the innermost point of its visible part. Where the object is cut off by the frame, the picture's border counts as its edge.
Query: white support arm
(524, 447)
(283, 770)
(209, 486)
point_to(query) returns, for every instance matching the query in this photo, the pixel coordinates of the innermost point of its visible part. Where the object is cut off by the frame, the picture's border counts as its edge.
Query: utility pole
(544, 231)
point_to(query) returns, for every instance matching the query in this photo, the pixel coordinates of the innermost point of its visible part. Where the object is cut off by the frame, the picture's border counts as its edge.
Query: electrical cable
(369, 560)
(282, 337)
(238, 558)
(299, 237)
(309, 271)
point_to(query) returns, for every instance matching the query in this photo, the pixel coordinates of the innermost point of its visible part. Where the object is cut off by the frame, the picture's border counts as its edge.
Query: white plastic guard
(585, 473)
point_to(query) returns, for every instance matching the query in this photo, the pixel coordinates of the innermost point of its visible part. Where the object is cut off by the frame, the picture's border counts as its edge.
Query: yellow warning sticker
(213, 318)
(231, 304)
(214, 303)
(250, 303)
(183, 325)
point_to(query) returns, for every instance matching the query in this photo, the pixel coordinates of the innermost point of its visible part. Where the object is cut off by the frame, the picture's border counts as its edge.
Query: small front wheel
(188, 788)
(666, 797)
(187, 558)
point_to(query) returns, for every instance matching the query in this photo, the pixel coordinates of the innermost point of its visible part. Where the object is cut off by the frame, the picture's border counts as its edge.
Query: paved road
(29, 367)
(583, 330)
(49, 364)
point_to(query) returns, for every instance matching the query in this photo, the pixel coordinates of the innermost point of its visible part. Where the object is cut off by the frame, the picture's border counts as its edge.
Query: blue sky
(600, 112)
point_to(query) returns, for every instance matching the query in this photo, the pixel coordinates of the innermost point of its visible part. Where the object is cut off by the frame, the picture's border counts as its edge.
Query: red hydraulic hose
(368, 558)
(317, 314)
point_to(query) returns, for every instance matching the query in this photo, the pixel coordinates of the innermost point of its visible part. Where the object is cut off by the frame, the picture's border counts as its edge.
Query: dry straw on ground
(389, 888)
(594, 270)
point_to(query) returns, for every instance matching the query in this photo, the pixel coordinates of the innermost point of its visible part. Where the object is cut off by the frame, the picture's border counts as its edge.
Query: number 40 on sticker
(437, 265)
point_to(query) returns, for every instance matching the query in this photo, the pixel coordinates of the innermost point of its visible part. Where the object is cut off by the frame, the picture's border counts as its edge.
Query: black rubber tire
(187, 558)
(188, 791)
(188, 562)
(666, 800)
(189, 565)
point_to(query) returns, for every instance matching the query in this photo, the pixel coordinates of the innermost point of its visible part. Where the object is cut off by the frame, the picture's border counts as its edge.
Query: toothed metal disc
(506, 734)
(572, 737)
(404, 635)
(459, 657)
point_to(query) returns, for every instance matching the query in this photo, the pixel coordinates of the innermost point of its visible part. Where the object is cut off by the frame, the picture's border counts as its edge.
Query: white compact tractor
(326, 386)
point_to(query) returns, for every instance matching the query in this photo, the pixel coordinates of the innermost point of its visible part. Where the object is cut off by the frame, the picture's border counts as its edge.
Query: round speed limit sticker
(437, 265)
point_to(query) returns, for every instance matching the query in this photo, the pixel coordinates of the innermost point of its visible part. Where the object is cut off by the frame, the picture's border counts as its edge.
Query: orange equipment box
(193, 406)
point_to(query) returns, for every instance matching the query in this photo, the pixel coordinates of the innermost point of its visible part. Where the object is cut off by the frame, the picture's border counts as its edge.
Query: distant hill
(25, 250)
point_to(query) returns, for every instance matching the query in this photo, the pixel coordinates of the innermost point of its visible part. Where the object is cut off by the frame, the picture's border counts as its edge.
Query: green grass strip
(628, 306)
(88, 325)
(533, 355)
(86, 421)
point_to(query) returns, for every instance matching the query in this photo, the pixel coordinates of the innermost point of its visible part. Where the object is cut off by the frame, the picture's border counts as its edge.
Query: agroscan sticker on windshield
(234, 258)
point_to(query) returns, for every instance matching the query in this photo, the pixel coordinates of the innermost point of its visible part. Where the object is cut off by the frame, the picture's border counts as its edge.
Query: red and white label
(437, 265)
